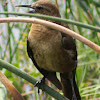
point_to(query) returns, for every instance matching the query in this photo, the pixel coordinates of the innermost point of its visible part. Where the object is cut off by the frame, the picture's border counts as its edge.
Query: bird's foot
(40, 84)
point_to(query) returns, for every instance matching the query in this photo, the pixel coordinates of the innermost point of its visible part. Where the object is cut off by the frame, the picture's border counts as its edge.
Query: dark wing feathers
(68, 42)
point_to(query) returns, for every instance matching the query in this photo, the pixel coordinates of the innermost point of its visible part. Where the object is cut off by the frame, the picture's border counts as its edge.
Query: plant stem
(55, 19)
(30, 79)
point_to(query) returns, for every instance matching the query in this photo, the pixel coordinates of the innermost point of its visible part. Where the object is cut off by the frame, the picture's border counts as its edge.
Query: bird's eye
(39, 7)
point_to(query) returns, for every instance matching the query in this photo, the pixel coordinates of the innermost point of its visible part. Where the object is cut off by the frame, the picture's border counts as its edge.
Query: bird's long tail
(69, 86)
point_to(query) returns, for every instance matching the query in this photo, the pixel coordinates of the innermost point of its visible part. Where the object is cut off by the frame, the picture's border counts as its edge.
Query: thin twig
(54, 26)
(30, 92)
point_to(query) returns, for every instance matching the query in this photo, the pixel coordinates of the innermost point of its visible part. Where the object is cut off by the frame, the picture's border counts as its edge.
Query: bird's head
(44, 7)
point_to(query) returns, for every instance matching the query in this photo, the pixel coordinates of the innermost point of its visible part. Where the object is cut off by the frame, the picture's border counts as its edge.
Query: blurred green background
(13, 48)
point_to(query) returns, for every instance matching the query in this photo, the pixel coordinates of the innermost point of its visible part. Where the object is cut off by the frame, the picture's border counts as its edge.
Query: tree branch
(54, 26)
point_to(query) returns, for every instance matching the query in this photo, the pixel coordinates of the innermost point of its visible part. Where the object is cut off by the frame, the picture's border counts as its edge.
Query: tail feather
(67, 86)
(76, 90)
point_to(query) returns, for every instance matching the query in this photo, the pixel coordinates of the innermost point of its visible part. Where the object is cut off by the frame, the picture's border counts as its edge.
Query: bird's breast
(47, 49)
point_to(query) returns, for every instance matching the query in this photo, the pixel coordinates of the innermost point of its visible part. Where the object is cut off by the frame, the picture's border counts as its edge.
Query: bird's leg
(73, 91)
(40, 84)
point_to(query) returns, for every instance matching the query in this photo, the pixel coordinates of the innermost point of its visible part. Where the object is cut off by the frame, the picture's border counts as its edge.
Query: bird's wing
(51, 76)
(68, 43)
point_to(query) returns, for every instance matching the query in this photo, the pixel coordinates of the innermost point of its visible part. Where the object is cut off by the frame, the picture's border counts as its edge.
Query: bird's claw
(40, 84)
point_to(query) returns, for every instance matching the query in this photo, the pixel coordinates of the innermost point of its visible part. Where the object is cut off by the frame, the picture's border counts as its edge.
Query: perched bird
(52, 51)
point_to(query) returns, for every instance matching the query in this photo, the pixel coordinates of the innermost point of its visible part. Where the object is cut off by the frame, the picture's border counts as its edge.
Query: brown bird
(52, 51)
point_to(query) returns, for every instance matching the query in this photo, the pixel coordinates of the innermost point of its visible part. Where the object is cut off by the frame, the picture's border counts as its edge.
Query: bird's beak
(28, 6)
